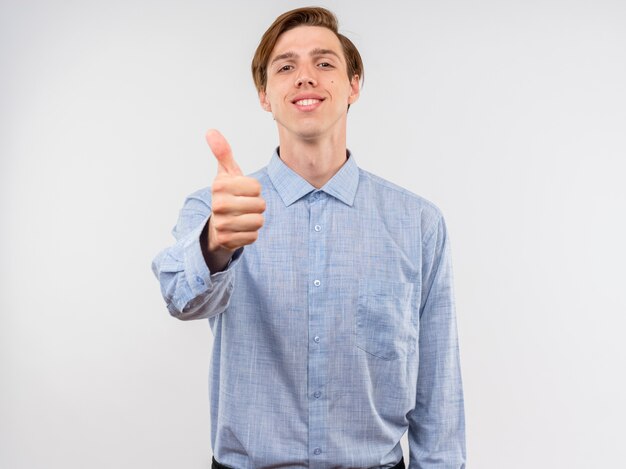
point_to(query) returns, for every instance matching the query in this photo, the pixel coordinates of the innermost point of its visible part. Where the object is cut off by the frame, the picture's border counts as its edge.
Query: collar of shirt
(292, 187)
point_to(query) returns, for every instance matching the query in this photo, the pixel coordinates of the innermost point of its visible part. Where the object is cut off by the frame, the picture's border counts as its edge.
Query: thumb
(223, 154)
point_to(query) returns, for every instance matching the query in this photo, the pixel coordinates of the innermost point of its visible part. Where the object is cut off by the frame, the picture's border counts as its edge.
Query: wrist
(215, 256)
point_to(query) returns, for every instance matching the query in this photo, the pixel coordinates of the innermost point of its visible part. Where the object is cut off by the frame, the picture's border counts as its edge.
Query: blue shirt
(334, 333)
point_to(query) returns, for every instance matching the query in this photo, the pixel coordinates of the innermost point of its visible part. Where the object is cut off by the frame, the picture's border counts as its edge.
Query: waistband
(216, 465)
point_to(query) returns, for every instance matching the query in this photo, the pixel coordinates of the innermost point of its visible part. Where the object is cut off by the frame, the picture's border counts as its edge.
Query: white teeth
(307, 102)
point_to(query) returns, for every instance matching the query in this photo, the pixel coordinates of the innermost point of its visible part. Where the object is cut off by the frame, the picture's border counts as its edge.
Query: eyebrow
(318, 51)
(314, 53)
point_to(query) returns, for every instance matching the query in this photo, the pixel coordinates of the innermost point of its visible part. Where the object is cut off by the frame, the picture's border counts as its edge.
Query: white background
(509, 115)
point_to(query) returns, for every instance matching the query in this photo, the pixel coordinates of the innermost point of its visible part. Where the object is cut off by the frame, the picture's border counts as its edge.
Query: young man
(334, 327)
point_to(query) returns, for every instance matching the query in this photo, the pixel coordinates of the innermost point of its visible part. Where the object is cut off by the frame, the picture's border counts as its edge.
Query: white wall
(509, 115)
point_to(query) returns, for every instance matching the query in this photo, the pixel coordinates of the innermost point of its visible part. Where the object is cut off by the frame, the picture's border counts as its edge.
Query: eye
(325, 65)
(285, 68)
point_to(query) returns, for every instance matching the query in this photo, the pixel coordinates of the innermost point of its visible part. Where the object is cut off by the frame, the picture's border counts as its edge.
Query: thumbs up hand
(237, 205)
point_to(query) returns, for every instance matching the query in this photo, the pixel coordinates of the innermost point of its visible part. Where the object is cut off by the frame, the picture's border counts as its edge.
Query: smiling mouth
(307, 102)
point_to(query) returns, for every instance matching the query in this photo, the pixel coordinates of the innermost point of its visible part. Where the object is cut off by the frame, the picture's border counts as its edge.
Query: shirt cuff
(199, 278)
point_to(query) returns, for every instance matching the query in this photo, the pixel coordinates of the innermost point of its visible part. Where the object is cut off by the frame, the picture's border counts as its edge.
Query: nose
(305, 77)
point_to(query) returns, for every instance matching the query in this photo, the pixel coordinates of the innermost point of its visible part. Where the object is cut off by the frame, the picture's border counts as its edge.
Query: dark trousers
(217, 465)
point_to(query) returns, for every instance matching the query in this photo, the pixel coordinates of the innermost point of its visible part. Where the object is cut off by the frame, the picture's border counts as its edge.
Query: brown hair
(308, 16)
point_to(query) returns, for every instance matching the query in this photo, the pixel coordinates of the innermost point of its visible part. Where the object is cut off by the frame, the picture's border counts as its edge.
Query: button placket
(317, 326)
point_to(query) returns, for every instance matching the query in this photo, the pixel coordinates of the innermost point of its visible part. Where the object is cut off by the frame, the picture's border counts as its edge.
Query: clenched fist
(237, 206)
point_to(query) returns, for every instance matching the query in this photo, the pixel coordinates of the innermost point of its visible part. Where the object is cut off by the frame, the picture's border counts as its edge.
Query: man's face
(308, 90)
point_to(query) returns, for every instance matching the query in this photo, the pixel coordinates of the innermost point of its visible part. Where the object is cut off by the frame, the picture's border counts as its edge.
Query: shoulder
(397, 198)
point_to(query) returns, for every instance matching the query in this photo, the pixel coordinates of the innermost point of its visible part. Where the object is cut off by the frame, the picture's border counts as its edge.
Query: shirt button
(316, 338)
(317, 394)
(317, 283)
(318, 228)
(317, 450)
(199, 280)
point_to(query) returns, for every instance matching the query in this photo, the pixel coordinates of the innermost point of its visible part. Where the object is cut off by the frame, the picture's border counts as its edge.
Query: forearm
(187, 285)
(190, 289)
(437, 424)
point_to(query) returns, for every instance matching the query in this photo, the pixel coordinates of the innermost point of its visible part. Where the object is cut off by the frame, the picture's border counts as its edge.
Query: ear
(355, 89)
(265, 104)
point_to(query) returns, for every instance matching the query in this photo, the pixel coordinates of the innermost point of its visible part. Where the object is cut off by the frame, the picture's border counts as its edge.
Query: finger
(237, 205)
(240, 223)
(236, 240)
(238, 185)
(224, 155)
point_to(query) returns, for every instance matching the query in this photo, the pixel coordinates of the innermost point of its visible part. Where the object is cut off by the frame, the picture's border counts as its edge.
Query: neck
(315, 160)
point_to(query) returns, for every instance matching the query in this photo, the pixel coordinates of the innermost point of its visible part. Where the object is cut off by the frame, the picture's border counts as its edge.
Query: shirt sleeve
(190, 290)
(437, 424)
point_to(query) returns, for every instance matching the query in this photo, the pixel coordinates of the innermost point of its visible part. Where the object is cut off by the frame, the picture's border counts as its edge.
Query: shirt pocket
(383, 320)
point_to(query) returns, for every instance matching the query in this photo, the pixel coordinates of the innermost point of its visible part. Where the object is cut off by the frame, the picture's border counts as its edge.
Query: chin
(305, 132)
(309, 134)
